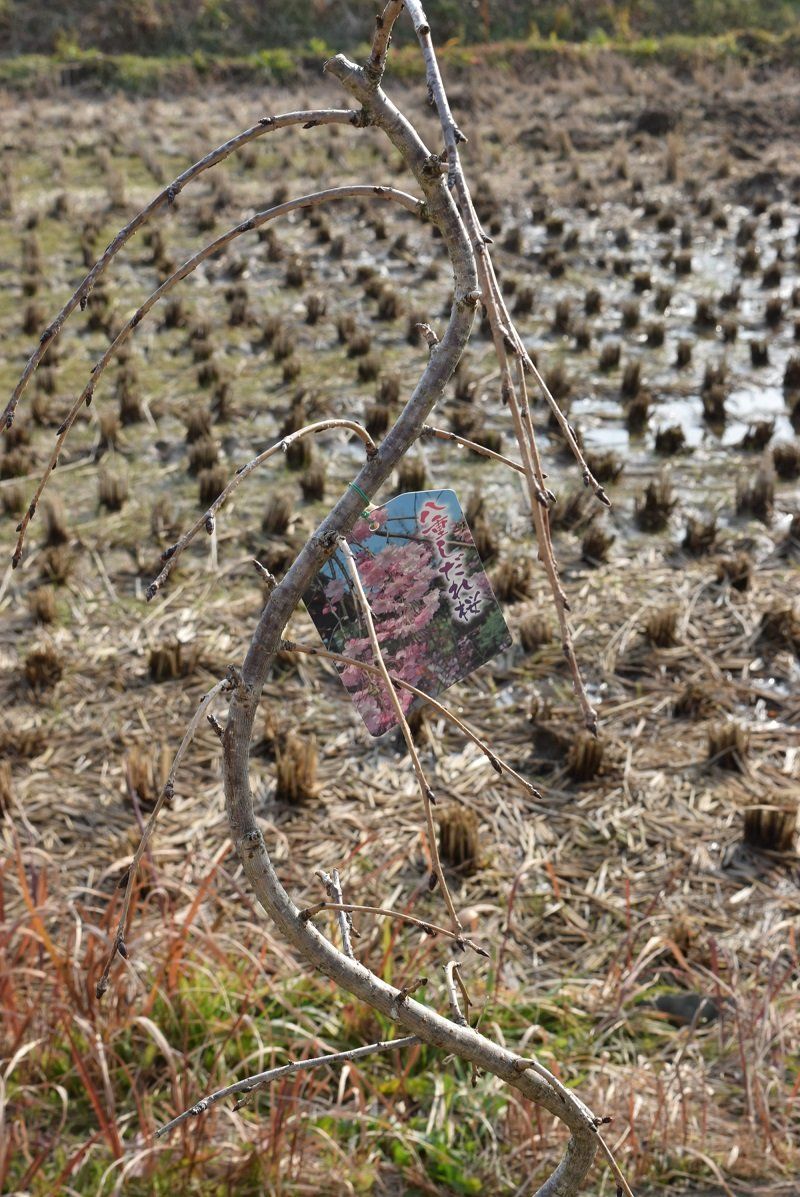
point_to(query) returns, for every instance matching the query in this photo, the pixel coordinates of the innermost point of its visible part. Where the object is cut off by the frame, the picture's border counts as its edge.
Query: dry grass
(696, 701)
(661, 627)
(459, 842)
(700, 535)
(771, 827)
(146, 771)
(534, 630)
(296, 770)
(727, 745)
(630, 878)
(166, 662)
(585, 757)
(655, 506)
(756, 496)
(112, 491)
(277, 515)
(511, 581)
(43, 669)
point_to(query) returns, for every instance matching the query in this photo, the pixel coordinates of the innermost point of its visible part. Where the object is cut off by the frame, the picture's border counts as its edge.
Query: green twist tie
(354, 486)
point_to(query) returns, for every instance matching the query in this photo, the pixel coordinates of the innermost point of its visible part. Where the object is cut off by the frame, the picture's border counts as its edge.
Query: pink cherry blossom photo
(435, 615)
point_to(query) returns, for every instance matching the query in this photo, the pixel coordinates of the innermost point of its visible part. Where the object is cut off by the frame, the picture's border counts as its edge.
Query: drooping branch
(207, 519)
(252, 1084)
(504, 333)
(309, 119)
(497, 762)
(506, 339)
(425, 790)
(518, 404)
(409, 202)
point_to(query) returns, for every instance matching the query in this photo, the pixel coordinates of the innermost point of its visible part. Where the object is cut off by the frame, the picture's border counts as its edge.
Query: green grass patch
(150, 75)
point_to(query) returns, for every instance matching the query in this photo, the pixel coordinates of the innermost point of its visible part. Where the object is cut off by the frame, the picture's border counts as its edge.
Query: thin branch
(268, 124)
(252, 1084)
(538, 494)
(568, 431)
(385, 912)
(622, 1184)
(443, 435)
(497, 762)
(576, 1161)
(254, 222)
(333, 887)
(172, 553)
(384, 23)
(541, 516)
(456, 178)
(571, 1170)
(425, 790)
(517, 346)
(118, 943)
(505, 337)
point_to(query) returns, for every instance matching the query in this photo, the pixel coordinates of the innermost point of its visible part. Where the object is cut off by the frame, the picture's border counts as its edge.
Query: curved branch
(305, 201)
(172, 553)
(252, 1084)
(497, 762)
(317, 951)
(268, 124)
(541, 518)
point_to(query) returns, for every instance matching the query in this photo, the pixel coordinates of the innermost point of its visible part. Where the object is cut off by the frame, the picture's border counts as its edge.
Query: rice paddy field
(646, 228)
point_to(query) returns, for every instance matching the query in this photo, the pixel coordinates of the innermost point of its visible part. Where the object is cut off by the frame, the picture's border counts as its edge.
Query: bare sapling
(436, 1013)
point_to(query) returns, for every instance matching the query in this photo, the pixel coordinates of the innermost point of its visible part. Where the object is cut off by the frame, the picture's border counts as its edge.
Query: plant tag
(434, 611)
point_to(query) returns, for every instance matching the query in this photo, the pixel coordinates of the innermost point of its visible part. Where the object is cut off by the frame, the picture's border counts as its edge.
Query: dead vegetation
(43, 669)
(655, 506)
(146, 772)
(459, 842)
(661, 627)
(700, 535)
(773, 828)
(727, 745)
(756, 496)
(296, 769)
(166, 662)
(638, 838)
(585, 757)
(534, 631)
